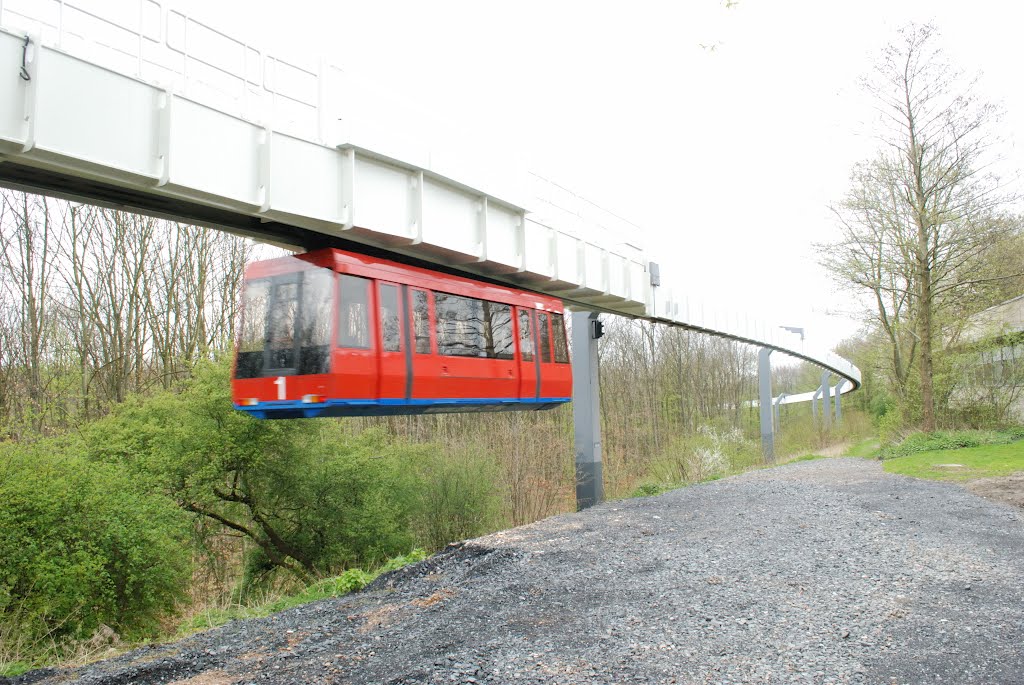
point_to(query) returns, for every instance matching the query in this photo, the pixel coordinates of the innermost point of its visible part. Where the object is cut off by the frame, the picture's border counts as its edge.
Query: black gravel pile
(819, 572)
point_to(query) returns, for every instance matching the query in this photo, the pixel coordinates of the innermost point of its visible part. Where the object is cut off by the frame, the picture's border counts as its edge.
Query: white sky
(724, 133)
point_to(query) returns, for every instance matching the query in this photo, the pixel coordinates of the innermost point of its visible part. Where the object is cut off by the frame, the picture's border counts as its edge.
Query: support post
(764, 374)
(839, 393)
(586, 412)
(778, 412)
(826, 399)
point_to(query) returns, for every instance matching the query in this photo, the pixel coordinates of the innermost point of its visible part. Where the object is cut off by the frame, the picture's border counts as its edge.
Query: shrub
(702, 456)
(456, 496)
(891, 426)
(82, 547)
(314, 498)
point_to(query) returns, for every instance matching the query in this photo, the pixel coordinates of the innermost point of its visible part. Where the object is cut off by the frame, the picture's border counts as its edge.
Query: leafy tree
(313, 498)
(921, 217)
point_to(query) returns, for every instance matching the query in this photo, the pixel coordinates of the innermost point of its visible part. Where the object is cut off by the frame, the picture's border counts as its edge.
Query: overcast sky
(723, 132)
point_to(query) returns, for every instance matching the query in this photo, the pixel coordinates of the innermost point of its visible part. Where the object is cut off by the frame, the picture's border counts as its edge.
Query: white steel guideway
(153, 111)
(160, 113)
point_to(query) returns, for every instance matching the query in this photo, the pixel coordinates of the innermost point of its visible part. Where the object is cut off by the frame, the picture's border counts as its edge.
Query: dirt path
(827, 571)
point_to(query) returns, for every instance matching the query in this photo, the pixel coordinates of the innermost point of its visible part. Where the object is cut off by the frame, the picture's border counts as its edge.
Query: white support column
(839, 393)
(778, 412)
(826, 399)
(764, 373)
(586, 410)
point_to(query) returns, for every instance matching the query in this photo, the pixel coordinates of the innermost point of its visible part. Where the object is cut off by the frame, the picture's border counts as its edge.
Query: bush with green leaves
(456, 495)
(313, 497)
(81, 546)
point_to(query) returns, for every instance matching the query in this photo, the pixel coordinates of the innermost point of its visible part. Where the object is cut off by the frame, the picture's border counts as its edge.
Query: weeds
(351, 580)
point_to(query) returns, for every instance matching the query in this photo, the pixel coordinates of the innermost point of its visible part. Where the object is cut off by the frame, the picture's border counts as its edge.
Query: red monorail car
(332, 333)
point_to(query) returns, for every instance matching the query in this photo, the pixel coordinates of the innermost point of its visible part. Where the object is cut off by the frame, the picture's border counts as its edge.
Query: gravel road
(827, 571)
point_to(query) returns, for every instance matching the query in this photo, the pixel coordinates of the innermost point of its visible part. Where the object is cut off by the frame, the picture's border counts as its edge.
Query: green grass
(15, 668)
(968, 463)
(865, 449)
(806, 457)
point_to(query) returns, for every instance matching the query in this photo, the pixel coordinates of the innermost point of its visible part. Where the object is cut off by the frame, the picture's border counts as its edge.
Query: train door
(553, 351)
(425, 365)
(529, 363)
(355, 366)
(395, 357)
(558, 378)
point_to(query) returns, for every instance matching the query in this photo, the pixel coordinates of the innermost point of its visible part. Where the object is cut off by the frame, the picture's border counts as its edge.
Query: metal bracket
(163, 139)
(348, 183)
(30, 77)
(416, 225)
(265, 158)
(521, 241)
(482, 230)
(553, 253)
(581, 263)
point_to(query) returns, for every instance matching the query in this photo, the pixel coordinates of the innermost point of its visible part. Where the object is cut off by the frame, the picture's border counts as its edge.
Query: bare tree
(26, 241)
(920, 217)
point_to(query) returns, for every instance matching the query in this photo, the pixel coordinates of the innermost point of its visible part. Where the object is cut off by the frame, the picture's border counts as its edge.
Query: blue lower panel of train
(291, 409)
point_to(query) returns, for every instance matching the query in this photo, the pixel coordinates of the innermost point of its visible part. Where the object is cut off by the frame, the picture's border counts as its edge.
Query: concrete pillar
(826, 399)
(839, 407)
(764, 401)
(586, 410)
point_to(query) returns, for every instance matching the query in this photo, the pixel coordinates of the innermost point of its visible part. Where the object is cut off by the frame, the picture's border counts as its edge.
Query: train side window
(252, 332)
(391, 339)
(498, 330)
(353, 312)
(316, 320)
(525, 336)
(545, 343)
(558, 334)
(281, 331)
(421, 321)
(460, 326)
(468, 327)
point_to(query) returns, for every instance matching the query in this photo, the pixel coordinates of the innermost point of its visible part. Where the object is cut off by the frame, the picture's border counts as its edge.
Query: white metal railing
(161, 45)
(314, 100)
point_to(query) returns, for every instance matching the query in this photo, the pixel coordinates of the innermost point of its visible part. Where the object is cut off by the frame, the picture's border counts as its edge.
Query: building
(994, 372)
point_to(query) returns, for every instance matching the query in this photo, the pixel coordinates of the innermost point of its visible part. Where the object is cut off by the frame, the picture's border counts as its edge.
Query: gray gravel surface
(825, 571)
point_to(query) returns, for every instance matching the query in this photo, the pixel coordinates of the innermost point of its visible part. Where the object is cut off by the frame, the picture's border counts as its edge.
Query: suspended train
(334, 333)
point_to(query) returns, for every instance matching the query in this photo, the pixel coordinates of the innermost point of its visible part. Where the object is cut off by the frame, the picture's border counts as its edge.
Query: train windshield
(286, 325)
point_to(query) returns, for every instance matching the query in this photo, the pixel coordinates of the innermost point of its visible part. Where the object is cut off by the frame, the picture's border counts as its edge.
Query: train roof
(384, 269)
